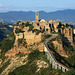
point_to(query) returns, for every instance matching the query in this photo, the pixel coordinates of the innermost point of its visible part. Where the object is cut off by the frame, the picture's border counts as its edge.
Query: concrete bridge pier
(48, 56)
(59, 67)
(56, 66)
(50, 60)
(53, 65)
(63, 69)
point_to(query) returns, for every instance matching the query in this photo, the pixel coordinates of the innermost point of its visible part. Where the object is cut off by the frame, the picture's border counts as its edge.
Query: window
(69, 32)
(38, 24)
(59, 31)
(46, 29)
(40, 28)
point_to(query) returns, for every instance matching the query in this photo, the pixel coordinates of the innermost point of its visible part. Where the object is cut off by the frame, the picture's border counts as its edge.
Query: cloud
(1, 5)
(3, 9)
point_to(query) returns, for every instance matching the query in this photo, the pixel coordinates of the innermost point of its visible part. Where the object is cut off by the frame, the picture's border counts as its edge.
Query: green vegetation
(25, 24)
(71, 58)
(4, 66)
(49, 71)
(24, 43)
(1, 36)
(7, 44)
(20, 41)
(31, 27)
(20, 54)
(71, 72)
(57, 56)
(30, 68)
(5, 30)
(34, 55)
(60, 23)
(55, 33)
(47, 36)
(18, 23)
(18, 30)
(36, 31)
(71, 52)
(22, 26)
(68, 49)
(67, 25)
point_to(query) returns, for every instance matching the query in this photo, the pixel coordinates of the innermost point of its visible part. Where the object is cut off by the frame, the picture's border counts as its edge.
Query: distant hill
(5, 30)
(1, 36)
(67, 16)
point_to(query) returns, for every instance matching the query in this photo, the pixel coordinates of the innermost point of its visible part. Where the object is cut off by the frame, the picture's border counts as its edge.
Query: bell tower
(37, 17)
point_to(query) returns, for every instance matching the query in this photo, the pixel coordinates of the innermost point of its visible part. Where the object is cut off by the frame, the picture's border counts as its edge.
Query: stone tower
(37, 17)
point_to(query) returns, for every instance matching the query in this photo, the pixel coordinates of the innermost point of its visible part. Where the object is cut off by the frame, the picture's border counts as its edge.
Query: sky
(36, 5)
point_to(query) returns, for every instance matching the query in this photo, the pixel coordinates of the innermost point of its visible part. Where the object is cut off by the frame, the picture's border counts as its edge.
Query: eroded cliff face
(59, 48)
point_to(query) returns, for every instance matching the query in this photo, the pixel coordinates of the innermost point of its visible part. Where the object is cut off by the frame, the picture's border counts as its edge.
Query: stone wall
(19, 36)
(32, 38)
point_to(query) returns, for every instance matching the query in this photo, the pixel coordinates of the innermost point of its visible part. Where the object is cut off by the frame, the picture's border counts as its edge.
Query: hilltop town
(56, 39)
(33, 32)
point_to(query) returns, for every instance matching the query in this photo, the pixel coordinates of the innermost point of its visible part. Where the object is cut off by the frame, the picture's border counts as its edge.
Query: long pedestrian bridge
(51, 58)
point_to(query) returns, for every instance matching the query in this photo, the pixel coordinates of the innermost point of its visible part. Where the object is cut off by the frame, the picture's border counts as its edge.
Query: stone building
(32, 38)
(68, 35)
(48, 27)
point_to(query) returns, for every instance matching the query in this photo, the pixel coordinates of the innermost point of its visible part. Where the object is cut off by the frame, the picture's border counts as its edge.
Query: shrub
(18, 23)
(37, 32)
(27, 24)
(18, 30)
(4, 66)
(20, 41)
(31, 27)
(47, 36)
(7, 44)
(28, 69)
(34, 55)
